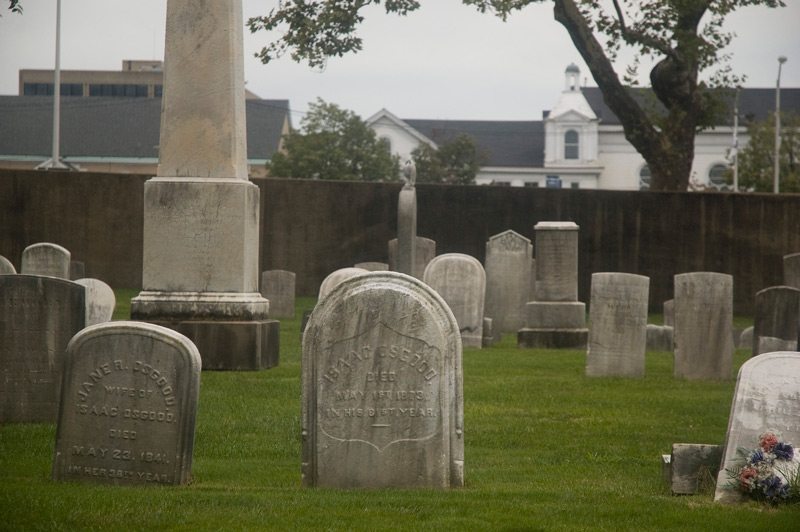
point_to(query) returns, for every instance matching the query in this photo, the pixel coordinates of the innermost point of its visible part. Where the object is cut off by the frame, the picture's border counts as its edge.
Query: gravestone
(746, 338)
(659, 337)
(776, 320)
(46, 259)
(127, 414)
(555, 318)
(334, 278)
(617, 325)
(508, 278)
(201, 213)
(373, 266)
(382, 399)
(703, 333)
(461, 281)
(6, 266)
(424, 253)
(100, 301)
(766, 399)
(669, 313)
(77, 270)
(38, 316)
(791, 270)
(278, 286)
(694, 467)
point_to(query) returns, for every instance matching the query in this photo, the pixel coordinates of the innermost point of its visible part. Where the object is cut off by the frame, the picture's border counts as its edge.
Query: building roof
(115, 127)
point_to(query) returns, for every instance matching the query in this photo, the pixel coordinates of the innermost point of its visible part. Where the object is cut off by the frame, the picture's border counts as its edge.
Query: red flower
(768, 442)
(746, 477)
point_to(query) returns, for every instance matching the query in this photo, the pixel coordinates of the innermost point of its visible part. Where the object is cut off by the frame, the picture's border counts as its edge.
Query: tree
(14, 6)
(670, 31)
(757, 159)
(334, 144)
(455, 162)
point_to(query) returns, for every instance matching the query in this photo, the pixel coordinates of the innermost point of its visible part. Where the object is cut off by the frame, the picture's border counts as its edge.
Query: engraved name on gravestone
(767, 398)
(508, 277)
(617, 325)
(461, 281)
(127, 412)
(776, 320)
(278, 286)
(382, 402)
(38, 316)
(46, 259)
(703, 332)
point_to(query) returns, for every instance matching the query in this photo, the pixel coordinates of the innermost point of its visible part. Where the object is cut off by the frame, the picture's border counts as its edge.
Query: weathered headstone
(424, 253)
(766, 399)
(128, 409)
(508, 278)
(669, 313)
(201, 213)
(278, 286)
(659, 337)
(373, 266)
(693, 467)
(617, 325)
(38, 316)
(6, 266)
(791, 270)
(100, 301)
(703, 326)
(46, 259)
(382, 400)
(776, 320)
(77, 270)
(555, 318)
(461, 281)
(334, 278)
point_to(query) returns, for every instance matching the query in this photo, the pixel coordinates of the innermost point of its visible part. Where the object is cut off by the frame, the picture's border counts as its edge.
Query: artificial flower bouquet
(769, 473)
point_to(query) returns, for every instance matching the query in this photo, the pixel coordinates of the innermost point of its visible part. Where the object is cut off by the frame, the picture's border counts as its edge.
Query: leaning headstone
(46, 259)
(334, 278)
(278, 286)
(128, 408)
(617, 325)
(791, 270)
(669, 313)
(555, 318)
(461, 281)
(508, 278)
(38, 316)
(703, 326)
(766, 400)
(424, 253)
(77, 270)
(373, 266)
(694, 467)
(776, 320)
(100, 301)
(382, 400)
(6, 266)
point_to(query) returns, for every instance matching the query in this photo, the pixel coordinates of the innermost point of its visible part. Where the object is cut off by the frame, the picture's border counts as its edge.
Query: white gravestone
(461, 281)
(46, 259)
(617, 325)
(382, 399)
(128, 407)
(6, 266)
(703, 333)
(278, 286)
(776, 320)
(100, 301)
(766, 399)
(508, 278)
(334, 278)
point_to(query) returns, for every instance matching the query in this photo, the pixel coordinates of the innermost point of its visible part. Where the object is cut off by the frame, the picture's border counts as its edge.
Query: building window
(72, 89)
(118, 89)
(571, 144)
(716, 175)
(157, 91)
(37, 89)
(532, 184)
(644, 178)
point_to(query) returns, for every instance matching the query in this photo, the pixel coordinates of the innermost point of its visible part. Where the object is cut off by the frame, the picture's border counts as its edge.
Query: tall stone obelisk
(201, 223)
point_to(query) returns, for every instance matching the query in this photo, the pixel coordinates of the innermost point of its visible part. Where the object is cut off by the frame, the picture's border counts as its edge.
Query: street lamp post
(781, 61)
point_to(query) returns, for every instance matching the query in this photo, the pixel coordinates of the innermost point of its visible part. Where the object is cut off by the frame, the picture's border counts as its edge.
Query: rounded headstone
(334, 278)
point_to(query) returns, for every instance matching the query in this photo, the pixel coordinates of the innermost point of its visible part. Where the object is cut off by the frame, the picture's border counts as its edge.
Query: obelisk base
(552, 338)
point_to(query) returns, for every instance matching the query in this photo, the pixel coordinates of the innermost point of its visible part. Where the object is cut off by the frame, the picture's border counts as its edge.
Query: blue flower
(756, 457)
(773, 488)
(783, 451)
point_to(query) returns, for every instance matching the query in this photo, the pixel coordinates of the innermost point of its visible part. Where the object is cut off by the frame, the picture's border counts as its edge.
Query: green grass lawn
(546, 449)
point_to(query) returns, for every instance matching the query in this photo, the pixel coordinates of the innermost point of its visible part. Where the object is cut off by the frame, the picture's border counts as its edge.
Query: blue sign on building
(553, 181)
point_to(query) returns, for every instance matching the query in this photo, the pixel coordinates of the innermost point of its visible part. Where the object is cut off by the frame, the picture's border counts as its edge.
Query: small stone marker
(6, 266)
(669, 313)
(508, 278)
(766, 399)
(693, 467)
(461, 281)
(424, 253)
(659, 337)
(617, 325)
(46, 259)
(278, 286)
(38, 316)
(791, 270)
(703, 326)
(128, 408)
(100, 301)
(776, 320)
(382, 400)
(334, 278)
(373, 266)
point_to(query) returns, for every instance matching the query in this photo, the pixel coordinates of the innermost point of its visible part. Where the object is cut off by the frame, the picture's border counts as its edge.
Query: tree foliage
(455, 162)
(685, 37)
(334, 143)
(14, 6)
(757, 159)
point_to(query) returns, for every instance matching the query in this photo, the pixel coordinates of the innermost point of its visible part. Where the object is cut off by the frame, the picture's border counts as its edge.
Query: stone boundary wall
(315, 227)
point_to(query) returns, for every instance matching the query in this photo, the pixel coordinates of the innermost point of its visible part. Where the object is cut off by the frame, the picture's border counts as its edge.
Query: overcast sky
(446, 61)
